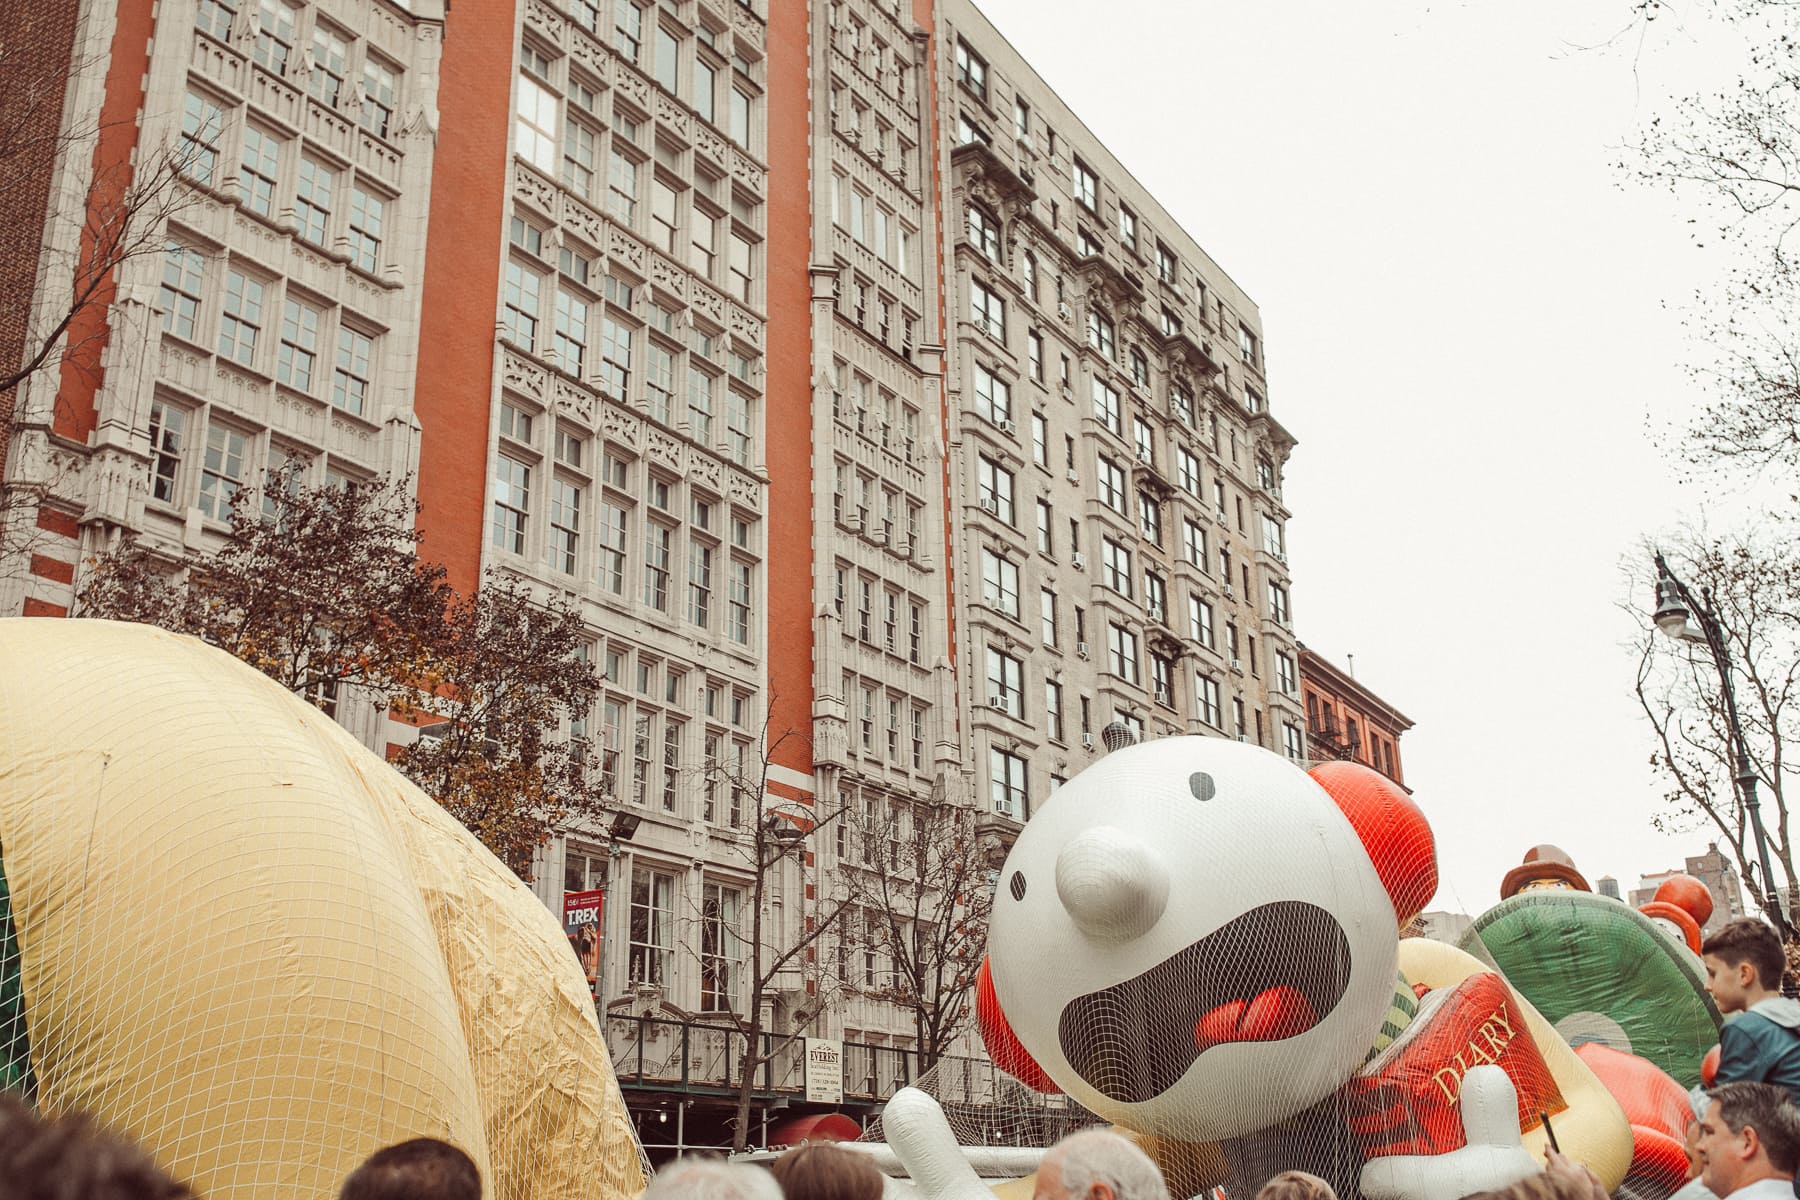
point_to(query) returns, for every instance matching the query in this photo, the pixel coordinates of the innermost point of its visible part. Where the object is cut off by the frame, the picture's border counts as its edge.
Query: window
(331, 57)
(1206, 696)
(1253, 400)
(312, 201)
(380, 85)
(1247, 344)
(215, 17)
(1122, 652)
(1007, 793)
(1274, 537)
(622, 187)
(1287, 677)
(512, 502)
(521, 305)
(1021, 120)
(984, 232)
(1100, 331)
(1087, 187)
(1005, 683)
(738, 268)
(706, 80)
(999, 583)
(242, 319)
(700, 405)
(628, 30)
(202, 123)
(1086, 244)
(1168, 322)
(1278, 603)
(994, 484)
(968, 132)
(1200, 621)
(1156, 595)
(167, 427)
(221, 470)
(1128, 228)
(700, 584)
(971, 69)
(1292, 744)
(350, 378)
(565, 525)
(702, 241)
(613, 535)
(662, 216)
(738, 430)
(1040, 439)
(366, 213)
(1034, 354)
(1162, 682)
(261, 163)
(740, 118)
(993, 399)
(987, 310)
(657, 540)
(1053, 710)
(721, 949)
(570, 336)
(184, 273)
(1193, 542)
(1168, 268)
(666, 68)
(1140, 368)
(1106, 406)
(651, 925)
(615, 359)
(737, 611)
(1187, 471)
(1112, 485)
(1150, 518)
(1047, 616)
(1115, 566)
(299, 347)
(274, 35)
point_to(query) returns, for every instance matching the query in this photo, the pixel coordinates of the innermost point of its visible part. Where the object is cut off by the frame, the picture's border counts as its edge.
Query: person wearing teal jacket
(1744, 964)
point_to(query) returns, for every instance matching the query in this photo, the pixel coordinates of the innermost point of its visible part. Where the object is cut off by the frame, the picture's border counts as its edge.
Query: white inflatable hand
(921, 1138)
(1492, 1158)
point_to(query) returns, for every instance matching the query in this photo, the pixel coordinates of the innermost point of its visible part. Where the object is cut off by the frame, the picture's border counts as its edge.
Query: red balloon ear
(1392, 829)
(1003, 1045)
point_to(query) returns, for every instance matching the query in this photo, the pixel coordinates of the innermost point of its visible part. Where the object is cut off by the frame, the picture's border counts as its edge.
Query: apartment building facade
(1347, 720)
(892, 438)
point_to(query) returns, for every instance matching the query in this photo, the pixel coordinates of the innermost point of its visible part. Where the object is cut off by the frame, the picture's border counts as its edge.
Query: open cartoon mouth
(1273, 973)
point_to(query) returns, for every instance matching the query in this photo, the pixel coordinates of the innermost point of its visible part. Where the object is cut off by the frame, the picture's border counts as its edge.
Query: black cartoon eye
(1017, 886)
(1202, 785)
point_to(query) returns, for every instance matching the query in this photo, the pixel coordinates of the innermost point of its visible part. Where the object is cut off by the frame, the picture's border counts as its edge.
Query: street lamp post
(1675, 603)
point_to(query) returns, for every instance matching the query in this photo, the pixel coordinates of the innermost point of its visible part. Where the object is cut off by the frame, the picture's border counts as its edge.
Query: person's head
(71, 1156)
(1743, 958)
(1098, 1164)
(822, 1171)
(1750, 1131)
(421, 1169)
(700, 1178)
(1296, 1185)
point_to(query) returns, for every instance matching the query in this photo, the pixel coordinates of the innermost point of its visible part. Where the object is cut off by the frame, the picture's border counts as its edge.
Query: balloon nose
(1111, 883)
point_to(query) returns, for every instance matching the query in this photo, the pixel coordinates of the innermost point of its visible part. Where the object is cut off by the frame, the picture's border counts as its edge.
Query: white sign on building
(824, 1071)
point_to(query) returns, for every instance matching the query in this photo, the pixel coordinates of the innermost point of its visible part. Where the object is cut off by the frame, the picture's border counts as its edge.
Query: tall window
(1100, 332)
(1292, 744)
(615, 358)
(261, 164)
(312, 201)
(701, 386)
(1007, 791)
(1115, 566)
(521, 305)
(1122, 649)
(1047, 617)
(202, 123)
(222, 470)
(299, 347)
(565, 525)
(662, 215)
(652, 925)
(994, 484)
(380, 85)
(242, 319)
(1053, 710)
(331, 57)
(628, 30)
(738, 267)
(366, 213)
(1193, 542)
(987, 310)
(971, 69)
(740, 117)
(1206, 696)
(184, 273)
(571, 333)
(1005, 682)
(666, 68)
(1200, 621)
(657, 548)
(721, 949)
(737, 613)
(622, 187)
(1112, 485)
(613, 534)
(1086, 185)
(999, 583)
(700, 584)
(1287, 678)
(214, 17)
(168, 424)
(1106, 406)
(512, 503)
(1278, 603)
(274, 35)
(536, 124)
(993, 398)
(984, 232)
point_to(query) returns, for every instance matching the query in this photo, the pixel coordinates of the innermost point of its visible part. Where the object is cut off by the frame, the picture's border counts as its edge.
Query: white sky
(1473, 324)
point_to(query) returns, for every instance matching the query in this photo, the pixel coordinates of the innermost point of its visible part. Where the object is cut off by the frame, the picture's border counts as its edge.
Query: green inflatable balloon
(1602, 972)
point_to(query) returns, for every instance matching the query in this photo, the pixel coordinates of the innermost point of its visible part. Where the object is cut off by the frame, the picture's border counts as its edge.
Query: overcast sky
(1473, 325)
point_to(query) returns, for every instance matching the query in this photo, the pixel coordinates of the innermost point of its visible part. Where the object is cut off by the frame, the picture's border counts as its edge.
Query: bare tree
(1753, 584)
(924, 883)
(775, 856)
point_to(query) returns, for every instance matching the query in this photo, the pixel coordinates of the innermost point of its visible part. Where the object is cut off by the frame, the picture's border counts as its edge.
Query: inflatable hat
(1688, 894)
(1546, 866)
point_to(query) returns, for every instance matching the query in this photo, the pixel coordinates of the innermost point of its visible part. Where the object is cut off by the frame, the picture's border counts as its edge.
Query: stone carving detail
(672, 114)
(668, 276)
(620, 244)
(709, 303)
(635, 87)
(545, 21)
(575, 400)
(747, 326)
(619, 425)
(705, 470)
(584, 50)
(664, 448)
(583, 220)
(747, 171)
(522, 376)
(745, 490)
(539, 192)
(708, 142)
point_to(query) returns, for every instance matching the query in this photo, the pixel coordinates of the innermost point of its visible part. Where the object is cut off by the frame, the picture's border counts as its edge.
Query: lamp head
(1672, 613)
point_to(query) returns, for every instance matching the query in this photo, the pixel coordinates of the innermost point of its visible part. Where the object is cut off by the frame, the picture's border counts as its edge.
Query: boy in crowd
(1744, 963)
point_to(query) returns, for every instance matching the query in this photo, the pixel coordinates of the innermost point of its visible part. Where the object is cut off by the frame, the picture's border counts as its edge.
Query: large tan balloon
(253, 946)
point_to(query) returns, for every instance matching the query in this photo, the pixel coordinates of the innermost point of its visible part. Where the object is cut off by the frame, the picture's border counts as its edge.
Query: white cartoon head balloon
(1195, 939)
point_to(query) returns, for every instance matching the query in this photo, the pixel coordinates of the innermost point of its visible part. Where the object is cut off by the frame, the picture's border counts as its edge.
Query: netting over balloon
(232, 933)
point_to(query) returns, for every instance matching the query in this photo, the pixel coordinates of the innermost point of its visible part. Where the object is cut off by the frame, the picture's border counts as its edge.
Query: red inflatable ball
(1392, 829)
(1688, 894)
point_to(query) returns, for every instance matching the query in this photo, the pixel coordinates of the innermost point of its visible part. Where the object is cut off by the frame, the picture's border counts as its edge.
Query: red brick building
(1344, 719)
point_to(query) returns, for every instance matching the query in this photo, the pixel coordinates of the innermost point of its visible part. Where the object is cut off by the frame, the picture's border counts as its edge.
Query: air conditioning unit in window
(1081, 650)
(995, 702)
(1145, 457)
(1227, 592)
(1087, 741)
(1064, 311)
(1074, 475)
(990, 504)
(1162, 696)
(1080, 561)
(1156, 613)
(1006, 425)
(1237, 664)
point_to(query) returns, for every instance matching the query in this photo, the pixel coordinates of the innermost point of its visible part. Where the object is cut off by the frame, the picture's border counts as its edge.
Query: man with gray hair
(1098, 1164)
(1749, 1143)
(700, 1178)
